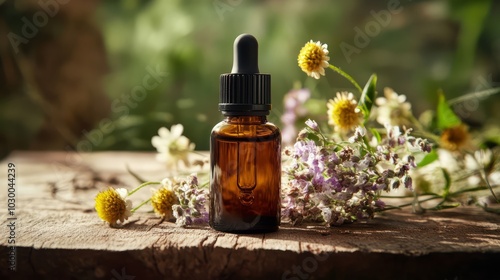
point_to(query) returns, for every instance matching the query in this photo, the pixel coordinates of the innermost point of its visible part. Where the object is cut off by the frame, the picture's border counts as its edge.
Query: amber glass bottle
(245, 149)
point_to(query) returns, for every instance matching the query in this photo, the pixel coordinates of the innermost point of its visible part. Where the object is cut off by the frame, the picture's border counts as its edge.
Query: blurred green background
(75, 73)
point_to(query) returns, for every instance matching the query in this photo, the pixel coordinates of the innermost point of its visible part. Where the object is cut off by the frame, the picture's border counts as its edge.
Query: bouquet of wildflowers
(339, 175)
(339, 172)
(179, 198)
(338, 178)
(340, 182)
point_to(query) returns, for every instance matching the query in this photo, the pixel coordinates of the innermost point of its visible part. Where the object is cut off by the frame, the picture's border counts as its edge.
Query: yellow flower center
(110, 206)
(162, 201)
(311, 57)
(343, 113)
(454, 138)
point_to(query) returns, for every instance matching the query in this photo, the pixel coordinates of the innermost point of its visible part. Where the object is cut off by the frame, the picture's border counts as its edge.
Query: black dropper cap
(245, 92)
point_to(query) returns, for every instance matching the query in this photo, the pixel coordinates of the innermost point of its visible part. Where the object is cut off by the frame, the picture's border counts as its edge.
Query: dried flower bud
(355, 159)
(395, 183)
(411, 160)
(394, 158)
(287, 151)
(312, 125)
(302, 135)
(388, 173)
(407, 181)
(345, 153)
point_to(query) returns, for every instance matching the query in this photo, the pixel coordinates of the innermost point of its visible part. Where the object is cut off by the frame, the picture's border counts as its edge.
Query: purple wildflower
(312, 125)
(340, 183)
(293, 102)
(192, 207)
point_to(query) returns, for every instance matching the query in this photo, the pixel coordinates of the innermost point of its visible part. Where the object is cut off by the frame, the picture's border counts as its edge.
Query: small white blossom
(359, 133)
(312, 124)
(447, 160)
(480, 159)
(392, 108)
(172, 146)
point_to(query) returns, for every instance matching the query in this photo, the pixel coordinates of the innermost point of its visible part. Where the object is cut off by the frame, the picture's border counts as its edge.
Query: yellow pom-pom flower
(455, 138)
(163, 199)
(313, 59)
(112, 206)
(343, 112)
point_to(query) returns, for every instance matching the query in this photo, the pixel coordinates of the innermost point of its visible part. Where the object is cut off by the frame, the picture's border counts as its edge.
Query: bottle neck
(245, 119)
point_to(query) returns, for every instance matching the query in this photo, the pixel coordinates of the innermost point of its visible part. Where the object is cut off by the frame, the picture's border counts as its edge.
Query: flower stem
(140, 205)
(135, 175)
(422, 130)
(487, 181)
(366, 142)
(347, 76)
(318, 132)
(479, 188)
(142, 186)
(409, 204)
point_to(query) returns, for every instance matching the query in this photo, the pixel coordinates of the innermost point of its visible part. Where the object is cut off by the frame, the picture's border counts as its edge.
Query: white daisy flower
(172, 146)
(393, 108)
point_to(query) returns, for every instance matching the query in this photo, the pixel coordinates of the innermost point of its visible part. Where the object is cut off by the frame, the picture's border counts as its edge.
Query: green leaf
(446, 206)
(312, 136)
(446, 118)
(429, 158)
(490, 209)
(478, 95)
(447, 185)
(376, 134)
(368, 95)
(135, 175)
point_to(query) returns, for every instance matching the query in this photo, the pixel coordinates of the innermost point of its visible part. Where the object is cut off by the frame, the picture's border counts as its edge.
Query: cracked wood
(60, 236)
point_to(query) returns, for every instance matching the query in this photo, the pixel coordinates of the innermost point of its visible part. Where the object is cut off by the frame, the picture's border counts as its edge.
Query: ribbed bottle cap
(245, 91)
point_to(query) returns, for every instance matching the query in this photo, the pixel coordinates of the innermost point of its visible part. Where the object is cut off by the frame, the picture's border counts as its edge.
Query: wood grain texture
(59, 235)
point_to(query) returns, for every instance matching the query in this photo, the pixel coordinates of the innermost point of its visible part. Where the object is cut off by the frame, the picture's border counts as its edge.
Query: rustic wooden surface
(59, 236)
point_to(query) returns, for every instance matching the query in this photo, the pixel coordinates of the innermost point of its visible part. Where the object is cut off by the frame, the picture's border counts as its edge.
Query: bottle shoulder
(224, 128)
